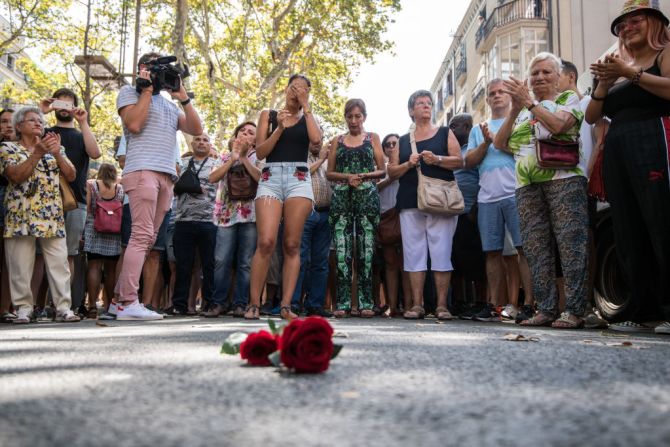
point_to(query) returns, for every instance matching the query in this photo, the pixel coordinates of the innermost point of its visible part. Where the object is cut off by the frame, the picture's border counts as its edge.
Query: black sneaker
(487, 314)
(469, 312)
(266, 309)
(525, 313)
(238, 311)
(318, 312)
(176, 312)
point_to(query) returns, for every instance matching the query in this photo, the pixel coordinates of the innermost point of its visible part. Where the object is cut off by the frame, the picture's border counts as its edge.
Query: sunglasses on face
(389, 144)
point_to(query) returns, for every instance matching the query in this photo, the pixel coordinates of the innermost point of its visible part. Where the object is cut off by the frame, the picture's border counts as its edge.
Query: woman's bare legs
(296, 212)
(268, 217)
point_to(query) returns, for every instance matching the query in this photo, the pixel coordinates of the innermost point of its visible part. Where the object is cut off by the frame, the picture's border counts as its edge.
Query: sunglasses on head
(389, 144)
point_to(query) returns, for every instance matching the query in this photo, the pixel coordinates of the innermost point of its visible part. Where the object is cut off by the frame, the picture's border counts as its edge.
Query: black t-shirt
(73, 142)
(408, 183)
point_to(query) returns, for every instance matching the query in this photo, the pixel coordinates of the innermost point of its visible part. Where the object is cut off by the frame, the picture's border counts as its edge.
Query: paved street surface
(395, 383)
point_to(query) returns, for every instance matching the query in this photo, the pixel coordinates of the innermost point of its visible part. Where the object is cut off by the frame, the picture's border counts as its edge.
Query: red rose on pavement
(307, 345)
(257, 347)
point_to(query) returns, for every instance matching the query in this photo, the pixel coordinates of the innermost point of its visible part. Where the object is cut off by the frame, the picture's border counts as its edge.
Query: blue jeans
(240, 238)
(188, 236)
(314, 251)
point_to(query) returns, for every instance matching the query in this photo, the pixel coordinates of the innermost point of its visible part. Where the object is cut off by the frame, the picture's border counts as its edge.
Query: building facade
(498, 38)
(8, 67)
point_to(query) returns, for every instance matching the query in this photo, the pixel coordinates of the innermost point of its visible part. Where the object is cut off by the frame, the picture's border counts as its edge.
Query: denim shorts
(284, 180)
(493, 218)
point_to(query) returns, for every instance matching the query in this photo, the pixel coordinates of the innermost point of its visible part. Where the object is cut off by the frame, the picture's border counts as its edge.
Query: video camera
(164, 75)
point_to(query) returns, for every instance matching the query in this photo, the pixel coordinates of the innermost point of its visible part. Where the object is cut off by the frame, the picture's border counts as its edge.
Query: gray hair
(20, 116)
(543, 56)
(416, 95)
(491, 83)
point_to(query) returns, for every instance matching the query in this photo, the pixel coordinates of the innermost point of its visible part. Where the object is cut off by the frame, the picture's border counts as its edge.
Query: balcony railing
(478, 91)
(511, 12)
(461, 68)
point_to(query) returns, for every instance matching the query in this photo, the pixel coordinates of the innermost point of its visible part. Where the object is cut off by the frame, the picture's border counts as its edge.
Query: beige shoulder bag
(434, 195)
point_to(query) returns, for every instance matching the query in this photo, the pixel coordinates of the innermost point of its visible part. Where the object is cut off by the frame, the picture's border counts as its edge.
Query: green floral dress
(34, 207)
(527, 130)
(354, 215)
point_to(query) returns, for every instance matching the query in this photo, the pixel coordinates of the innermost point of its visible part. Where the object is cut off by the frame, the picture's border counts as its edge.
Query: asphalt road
(395, 383)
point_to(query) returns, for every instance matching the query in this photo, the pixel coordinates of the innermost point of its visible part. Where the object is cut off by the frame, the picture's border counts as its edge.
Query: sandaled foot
(414, 313)
(286, 313)
(568, 320)
(442, 313)
(341, 313)
(355, 312)
(367, 313)
(539, 319)
(252, 313)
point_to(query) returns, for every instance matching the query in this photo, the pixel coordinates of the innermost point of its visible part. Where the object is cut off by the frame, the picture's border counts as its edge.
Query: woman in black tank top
(284, 191)
(634, 92)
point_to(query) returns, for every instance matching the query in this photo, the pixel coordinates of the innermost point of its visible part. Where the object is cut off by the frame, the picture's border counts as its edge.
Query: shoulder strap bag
(241, 186)
(556, 154)
(189, 182)
(434, 195)
(66, 194)
(108, 213)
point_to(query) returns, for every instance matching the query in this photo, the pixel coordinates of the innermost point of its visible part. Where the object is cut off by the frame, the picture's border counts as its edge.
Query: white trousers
(424, 234)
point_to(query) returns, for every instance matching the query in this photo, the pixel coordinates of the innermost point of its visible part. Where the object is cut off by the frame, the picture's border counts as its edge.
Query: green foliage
(30, 21)
(240, 52)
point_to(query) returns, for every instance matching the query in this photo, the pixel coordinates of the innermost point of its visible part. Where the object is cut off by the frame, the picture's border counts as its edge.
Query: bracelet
(306, 111)
(636, 78)
(185, 102)
(597, 98)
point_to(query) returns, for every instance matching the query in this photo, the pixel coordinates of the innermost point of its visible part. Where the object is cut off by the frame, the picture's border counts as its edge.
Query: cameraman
(150, 124)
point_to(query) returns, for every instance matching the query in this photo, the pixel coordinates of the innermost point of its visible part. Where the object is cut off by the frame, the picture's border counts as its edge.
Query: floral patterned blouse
(230, 212)
(527, 130)
(34, 207)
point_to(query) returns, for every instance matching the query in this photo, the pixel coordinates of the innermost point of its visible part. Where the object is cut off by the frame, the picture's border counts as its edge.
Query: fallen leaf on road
(339, 334)
(101, 324)
(519, 337)
(439, 322)
(613, 334)
(350, 394)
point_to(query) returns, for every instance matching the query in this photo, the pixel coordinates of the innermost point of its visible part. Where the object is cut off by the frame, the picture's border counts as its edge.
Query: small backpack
(108, 213)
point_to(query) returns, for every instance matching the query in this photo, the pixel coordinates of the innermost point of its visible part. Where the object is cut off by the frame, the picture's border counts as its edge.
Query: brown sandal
(252, 312)
(415, 313)
(568, 320)
(442, 313)
(286, 313)
(540, 318)
(367, 313)
(341, 313)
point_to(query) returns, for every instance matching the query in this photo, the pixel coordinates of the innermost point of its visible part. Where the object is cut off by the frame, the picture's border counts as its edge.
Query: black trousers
(635, 172)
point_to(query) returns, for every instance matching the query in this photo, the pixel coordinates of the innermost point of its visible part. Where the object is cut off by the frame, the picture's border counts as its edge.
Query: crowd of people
(486, 222)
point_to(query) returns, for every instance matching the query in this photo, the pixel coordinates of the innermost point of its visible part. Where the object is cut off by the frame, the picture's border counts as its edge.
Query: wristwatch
(535, 103)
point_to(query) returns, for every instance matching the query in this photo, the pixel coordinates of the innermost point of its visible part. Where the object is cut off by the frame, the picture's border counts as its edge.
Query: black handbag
(189, 182)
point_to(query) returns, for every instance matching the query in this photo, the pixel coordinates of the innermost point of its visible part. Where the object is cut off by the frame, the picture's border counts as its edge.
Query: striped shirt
(153, 148)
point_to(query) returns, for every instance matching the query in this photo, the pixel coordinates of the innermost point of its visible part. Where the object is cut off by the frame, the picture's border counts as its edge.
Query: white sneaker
(663, 328)
(136, 312)
(23, 315)
(509, 312)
